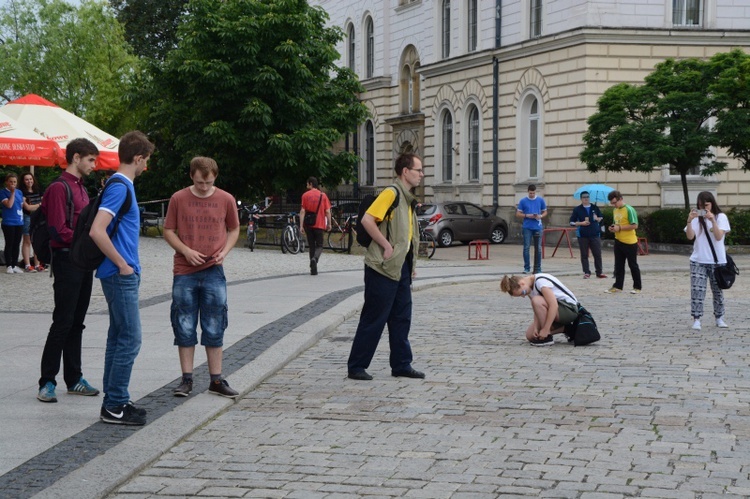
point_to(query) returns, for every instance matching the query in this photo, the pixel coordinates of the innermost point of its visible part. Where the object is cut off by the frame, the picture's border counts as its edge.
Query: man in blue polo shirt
(120, 275)
(532, 209)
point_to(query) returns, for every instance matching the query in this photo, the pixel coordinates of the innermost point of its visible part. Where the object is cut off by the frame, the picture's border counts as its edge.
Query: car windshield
(426, 209)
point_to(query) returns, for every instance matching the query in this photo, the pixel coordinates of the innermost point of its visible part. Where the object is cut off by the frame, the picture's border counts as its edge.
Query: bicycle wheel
(426, 245)
(428, 240)
(337, 241)
(289, 240)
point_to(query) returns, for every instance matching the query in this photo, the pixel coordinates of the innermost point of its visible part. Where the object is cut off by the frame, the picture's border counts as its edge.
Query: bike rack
(481, 249)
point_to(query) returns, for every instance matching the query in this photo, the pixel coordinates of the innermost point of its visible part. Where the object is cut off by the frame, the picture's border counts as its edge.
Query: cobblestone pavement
(653, 410)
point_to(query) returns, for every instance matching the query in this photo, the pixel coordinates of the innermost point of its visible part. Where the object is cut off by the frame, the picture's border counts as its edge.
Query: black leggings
(13, 235)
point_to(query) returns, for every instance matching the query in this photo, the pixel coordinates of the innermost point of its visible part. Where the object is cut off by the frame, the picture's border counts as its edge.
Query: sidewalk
(277, 312)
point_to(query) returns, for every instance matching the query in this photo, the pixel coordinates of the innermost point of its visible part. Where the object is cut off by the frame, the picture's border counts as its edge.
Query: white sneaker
(17, 270)
(720, 323)
(10, 271)
(697, 325)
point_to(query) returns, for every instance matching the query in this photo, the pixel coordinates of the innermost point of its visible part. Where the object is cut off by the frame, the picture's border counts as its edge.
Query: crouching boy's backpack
(363, 238)
(84, 253)
(39, 230)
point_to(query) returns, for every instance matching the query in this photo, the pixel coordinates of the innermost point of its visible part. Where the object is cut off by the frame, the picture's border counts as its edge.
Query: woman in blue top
(11, 200)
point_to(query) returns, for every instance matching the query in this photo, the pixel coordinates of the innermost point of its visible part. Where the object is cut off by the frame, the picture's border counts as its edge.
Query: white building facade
(428, 70)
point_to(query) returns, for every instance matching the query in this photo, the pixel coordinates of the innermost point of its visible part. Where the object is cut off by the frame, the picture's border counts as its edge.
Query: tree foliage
(76, 57)
(732, 88)
(150, 26)
(665, 121)
(254, 84)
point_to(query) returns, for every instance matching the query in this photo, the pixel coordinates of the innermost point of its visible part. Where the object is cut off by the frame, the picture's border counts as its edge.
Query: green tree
(732, 90)
(150, 26)
(254, 84)
(662, 122)
(76, 57)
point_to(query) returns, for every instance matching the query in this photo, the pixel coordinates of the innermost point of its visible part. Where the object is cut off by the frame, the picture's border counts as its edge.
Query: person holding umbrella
(585, 218)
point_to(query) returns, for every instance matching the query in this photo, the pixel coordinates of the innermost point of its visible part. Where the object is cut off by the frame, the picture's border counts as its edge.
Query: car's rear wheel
(445, 238)
(498, 234)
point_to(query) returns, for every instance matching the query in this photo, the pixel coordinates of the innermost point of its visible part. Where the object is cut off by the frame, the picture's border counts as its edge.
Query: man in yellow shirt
(389, 269)
(626, 243)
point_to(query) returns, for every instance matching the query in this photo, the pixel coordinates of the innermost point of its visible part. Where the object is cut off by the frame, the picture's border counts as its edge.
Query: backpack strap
(388, 212)
(124, 208)
(557, 286)
(69, 204)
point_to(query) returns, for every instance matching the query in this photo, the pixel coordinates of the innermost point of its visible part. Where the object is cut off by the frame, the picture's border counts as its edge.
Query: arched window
(534, 139)
(446, 138)
(369, 153)
(472, 25)
(409, 82)
(473, 143)
(352, 47)
(446, 28)
(370, 65)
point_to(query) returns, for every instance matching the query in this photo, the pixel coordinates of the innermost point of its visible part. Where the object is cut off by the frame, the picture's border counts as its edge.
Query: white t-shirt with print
(701, 249)
(543, 281)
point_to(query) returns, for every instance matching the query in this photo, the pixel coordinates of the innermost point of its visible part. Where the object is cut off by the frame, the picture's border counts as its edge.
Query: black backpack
(39, 230)
(84, 253)
(363, 238)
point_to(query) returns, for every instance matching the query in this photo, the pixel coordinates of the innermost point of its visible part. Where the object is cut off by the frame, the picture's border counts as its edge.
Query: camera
(701, 213)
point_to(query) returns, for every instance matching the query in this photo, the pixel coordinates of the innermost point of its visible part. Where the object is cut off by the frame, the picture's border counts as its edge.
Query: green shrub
(739, 222)
(665, 226)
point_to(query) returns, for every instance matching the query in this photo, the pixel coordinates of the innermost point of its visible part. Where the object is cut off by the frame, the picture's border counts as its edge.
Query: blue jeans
(386, 302)
(536, 234)
(123, 338)
(201, 294)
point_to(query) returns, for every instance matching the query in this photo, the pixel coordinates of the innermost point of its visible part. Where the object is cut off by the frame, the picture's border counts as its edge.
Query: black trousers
(315, 242)
(13, 235)
(387, 302)
(72, 289)
(626, 252)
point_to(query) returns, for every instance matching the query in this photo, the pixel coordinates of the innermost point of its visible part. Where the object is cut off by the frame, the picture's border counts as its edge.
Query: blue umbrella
(598, 192)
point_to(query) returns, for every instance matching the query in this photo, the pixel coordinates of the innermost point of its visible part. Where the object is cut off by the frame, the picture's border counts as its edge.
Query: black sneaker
(548, 341)
(221, 388)
(184, 389)
(137, 410)
(124, 414)
(313, 267)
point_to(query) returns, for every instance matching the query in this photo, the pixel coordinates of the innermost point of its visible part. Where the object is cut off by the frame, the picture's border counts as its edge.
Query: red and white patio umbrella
(21, 146)
(51, 121)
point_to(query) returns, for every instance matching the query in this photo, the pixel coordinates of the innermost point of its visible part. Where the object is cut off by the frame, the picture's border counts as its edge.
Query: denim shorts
(200, 296)
(26, 224)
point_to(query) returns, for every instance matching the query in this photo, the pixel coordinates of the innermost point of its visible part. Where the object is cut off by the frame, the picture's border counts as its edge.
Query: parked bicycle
(340, 238)
(291, 237)
(252, 214)
(427, 243)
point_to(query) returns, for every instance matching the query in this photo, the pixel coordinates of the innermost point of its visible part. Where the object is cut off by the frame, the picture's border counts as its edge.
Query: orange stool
(642, 246)
(481, 249)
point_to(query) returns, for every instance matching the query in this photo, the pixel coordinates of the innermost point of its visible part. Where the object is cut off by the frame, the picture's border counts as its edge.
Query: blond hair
(510, 284)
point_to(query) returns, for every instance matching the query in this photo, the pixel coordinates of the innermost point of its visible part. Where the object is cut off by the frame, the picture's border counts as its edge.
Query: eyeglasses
(418, 170)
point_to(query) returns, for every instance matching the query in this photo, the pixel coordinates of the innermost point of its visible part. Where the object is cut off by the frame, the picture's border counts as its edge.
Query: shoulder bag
(725, 274)
(312, 216)
(583, 330)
